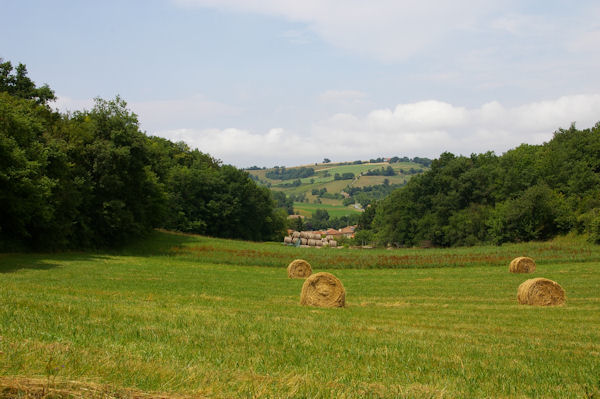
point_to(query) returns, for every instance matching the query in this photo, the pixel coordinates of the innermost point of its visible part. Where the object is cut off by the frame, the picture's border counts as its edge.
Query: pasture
(181, 315)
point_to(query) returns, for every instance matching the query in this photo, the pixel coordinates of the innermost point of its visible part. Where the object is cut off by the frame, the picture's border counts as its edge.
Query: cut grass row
(560, 250)
(159, 319)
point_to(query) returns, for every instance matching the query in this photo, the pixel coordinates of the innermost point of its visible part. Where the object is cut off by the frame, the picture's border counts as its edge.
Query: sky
(282, 82)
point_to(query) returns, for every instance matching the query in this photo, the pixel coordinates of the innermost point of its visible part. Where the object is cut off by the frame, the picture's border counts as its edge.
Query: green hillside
(304, 190)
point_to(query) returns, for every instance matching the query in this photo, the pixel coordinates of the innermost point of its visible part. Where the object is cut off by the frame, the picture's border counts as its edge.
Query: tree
(320, 219)
(17, 84)
(538, 213)
(326, 160)
(25, 187)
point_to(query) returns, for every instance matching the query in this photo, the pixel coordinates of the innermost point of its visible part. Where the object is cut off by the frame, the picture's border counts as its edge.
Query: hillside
(340, 188)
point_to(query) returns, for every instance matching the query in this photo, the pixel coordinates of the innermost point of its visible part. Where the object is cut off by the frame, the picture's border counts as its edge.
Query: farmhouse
(348, 231)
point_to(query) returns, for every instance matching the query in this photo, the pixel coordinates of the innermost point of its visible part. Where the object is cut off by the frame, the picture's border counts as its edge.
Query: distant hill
(340, 188)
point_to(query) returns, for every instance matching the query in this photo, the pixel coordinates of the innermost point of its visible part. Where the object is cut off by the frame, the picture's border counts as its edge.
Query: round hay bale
(522, 264)
(304, 234)
(540, 291)
(299, 268)
(287, 240)
(303, 241)
(315, 236)
(329, 237)
(312, 242)
(296, 234)
(323, 290)
(318, 243)
(333, 243)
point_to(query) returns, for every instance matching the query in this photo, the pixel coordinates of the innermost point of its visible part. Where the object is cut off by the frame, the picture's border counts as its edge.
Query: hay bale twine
(522, 264)
(287, 240)
(299, 268)
(323, 290)
(540, 291)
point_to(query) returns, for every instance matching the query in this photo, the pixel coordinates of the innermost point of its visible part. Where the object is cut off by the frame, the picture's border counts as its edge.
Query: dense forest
(91, 178)
(532, 192)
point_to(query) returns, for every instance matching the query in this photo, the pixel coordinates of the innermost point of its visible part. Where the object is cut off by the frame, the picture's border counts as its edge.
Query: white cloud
(467, 46)
(244, 148)
(425, 128)
(386, 29)
(420, 116)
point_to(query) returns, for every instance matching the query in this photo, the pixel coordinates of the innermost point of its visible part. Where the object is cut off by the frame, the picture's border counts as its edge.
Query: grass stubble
(159, 320)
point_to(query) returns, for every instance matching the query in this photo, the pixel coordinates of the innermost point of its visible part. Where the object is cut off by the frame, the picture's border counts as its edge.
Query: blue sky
(270, 82)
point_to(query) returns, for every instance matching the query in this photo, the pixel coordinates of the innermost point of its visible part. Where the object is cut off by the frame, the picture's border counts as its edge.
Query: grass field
(187, 315)
(334, 210)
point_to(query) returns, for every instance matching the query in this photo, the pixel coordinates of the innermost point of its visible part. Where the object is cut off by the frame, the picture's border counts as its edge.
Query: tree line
(282, 173)
(92, 178)
(532, 192)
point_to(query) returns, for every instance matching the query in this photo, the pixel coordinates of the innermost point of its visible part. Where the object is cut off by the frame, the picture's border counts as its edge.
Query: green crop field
(180, 315)
(334, 210)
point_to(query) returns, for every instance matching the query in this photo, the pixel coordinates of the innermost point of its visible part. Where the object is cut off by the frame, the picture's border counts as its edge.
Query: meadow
(180, 315)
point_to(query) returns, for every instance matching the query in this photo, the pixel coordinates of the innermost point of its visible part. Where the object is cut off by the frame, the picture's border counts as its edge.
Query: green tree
(16, 83)
(538, 213)
(25, 187)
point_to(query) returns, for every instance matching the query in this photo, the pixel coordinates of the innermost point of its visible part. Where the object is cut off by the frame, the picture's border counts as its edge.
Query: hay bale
(315, 236)
(318, 243)
(287, 240)
(333, 243)
(323, 290)
(303, 241)
(312, 242)
(540, 291)
(296, 234)
(299, 268)
(522, 264)
(304, 234)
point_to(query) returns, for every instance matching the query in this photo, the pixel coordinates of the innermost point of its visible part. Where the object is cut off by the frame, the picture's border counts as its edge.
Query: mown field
(194, 316)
